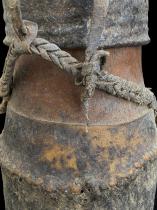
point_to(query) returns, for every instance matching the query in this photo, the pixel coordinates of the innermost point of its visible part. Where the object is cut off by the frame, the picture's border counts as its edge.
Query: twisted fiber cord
(53, 53)
(6, 78)
(109, 83)
(104, 81)
(127, 90)
(46, 50)
(91, 75)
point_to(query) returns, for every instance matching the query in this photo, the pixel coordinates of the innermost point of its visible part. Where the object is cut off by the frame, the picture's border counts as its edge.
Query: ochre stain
(61, 157)
(103, 140)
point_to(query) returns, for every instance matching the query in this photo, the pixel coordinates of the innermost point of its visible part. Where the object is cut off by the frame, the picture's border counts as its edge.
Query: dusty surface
(71, 169)
(67, 22)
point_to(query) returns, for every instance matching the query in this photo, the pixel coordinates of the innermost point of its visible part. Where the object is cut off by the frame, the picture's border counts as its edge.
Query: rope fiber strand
(89, 74)
(53, 53)
(104, 81)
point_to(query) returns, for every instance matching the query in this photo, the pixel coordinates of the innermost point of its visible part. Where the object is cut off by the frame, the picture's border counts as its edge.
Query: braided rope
(6, 78)
(127, 90)
(109, 83)
(104, 81)
(41, 47)
(90, 72)
(53, 53)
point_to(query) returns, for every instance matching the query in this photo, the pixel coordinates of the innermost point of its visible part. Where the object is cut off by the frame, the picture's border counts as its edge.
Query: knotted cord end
(90, 72)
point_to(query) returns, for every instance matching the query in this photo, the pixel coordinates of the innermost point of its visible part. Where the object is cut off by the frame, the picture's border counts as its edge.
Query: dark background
(149, 64)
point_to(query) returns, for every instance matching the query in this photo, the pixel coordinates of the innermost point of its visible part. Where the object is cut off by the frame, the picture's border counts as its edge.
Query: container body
(67, 23)
(49, 160)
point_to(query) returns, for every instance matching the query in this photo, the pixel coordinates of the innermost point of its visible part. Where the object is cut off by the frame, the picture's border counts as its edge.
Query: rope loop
(89, 74)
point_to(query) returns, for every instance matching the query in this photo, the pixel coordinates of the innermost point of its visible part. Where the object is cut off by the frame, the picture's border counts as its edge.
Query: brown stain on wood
(115, 149)
(60, 157)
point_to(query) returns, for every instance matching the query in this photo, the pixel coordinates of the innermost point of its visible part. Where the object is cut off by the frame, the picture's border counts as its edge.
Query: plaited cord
(53, 53)
(109, 83)
(88, 74)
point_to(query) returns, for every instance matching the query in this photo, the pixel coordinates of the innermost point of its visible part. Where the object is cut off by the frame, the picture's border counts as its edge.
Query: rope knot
(21, 44)
(90, 72)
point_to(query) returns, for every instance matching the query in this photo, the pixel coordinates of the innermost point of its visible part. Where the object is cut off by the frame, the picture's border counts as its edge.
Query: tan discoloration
(75, 188)
(109, 151)
(146, 157)
(60, 157)
(105, 137)
(112, 182)
(39, 181)
(138, 165)
(131, 171)
(110, 145)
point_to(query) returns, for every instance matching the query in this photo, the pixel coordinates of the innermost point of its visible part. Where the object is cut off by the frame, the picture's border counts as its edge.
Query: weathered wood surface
(67, 23)
(49, 161)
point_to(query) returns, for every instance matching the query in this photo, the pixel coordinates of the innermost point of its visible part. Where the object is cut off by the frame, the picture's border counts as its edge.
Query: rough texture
(134, 194)
(126, 23)
(89, 74)
(51, 165)
(93, 59)
(59, 166)
(8, 24)
(67, 23)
